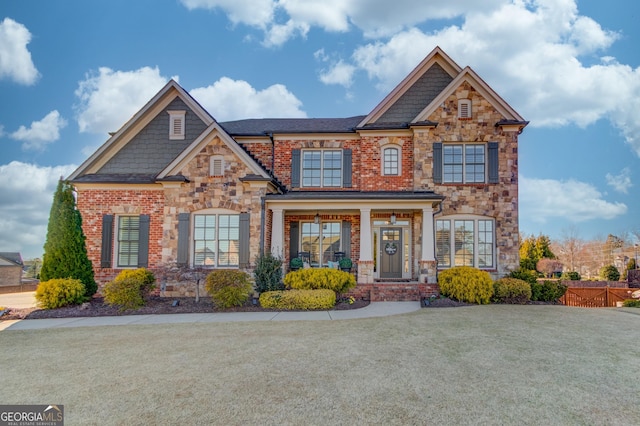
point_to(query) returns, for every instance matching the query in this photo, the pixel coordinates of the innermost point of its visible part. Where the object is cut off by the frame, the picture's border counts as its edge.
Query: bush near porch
(320, 278)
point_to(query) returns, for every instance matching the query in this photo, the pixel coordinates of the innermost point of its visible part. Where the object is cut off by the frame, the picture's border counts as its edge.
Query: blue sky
(71, 71)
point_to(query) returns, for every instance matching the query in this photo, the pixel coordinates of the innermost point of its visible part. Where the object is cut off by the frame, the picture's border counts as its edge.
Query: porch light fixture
(316, 219)
(393, 218)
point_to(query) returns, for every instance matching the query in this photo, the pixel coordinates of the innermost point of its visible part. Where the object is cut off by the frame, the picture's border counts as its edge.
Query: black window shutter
(346, 168)
(107, 241)
(492, 157)
(183, 239)
(346, 238)
(437, 162)
(294, 242)
(245, 234)
(143, 242)
(295, 168)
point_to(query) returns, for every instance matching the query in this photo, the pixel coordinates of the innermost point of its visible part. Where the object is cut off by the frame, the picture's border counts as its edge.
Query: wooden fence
(603, 297)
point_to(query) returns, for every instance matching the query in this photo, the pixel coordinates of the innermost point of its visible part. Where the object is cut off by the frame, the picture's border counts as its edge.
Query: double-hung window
(216, 239)
(465, 242)
(464, 163)
(322, 168)
(128, 241)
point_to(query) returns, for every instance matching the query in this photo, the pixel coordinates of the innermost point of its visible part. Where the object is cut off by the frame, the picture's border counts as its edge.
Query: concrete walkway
(375, 309)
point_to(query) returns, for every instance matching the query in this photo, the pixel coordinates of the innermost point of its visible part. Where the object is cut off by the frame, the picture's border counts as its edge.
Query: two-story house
(425, 181)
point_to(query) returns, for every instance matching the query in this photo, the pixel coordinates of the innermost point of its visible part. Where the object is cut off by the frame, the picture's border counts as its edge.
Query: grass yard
(496, 364)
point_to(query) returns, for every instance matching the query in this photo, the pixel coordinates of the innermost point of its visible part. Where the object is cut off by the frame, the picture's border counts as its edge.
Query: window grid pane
(204, 239)
(474, 163)
(128, 240)
(330, 241)
(453, 162)
(311, 168)
(485, 243)
(228, 240)
(332, 168)
(310, 241)
(391, 161)
(322, 168)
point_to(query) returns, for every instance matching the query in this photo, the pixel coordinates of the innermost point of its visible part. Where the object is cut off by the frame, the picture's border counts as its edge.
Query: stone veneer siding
(498, 201)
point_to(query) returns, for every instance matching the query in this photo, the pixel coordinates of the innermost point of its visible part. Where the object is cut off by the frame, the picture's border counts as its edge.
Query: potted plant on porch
(295, 264)
(345, 264)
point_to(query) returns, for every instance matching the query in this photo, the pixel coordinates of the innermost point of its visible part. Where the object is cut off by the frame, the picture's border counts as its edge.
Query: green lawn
(538, 365)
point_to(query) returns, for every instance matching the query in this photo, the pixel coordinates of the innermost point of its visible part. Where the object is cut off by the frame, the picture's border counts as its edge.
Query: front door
(391, 253)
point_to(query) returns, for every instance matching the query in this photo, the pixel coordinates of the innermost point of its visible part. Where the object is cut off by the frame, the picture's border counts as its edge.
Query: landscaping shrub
(525, 275)
(268, 273)
(298, 299)
(228, 287)
(631, 303)
(511, 290)
(60, 292)
(571, 276)
(466, 284)
(129, 288)
(320, 278)
(547, 291)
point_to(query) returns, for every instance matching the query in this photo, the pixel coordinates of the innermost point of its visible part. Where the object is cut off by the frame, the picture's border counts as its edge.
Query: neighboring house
(10, 269)
(425, 181)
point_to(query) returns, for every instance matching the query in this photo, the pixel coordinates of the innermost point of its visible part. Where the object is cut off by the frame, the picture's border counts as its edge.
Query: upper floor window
(465, 242)
(464, 108)
(216, 239)
(463, 163)
(322, 168)
(216, 165)
(176, 124)
(391, 161)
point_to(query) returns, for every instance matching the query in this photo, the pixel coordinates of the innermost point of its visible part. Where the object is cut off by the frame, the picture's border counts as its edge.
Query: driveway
(18, 300)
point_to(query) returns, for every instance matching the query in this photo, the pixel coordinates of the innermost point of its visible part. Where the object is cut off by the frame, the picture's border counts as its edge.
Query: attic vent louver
(464, 108)
(176, 124)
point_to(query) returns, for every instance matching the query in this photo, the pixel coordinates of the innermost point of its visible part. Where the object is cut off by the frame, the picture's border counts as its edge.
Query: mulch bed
(154, 305)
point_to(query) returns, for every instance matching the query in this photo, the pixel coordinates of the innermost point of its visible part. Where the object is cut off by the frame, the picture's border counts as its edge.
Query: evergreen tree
(65, 252)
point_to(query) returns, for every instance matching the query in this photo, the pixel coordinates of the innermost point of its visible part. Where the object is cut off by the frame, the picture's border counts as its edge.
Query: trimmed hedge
(547, 291)
(320, 278)
(129, 288)
(511, 290)
(466, 284)
(60, 292)
(228, 287)
(298, 299)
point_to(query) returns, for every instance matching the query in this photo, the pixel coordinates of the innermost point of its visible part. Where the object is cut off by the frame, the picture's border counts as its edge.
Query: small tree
(610, 273)
(65, 252)
(268, 273)
(548, 267)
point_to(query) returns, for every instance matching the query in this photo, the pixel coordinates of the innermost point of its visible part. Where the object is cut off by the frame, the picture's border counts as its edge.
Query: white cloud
(26, 191)
(109, 98)
(15, 58)
(256, 13)
(340, 73)
(621, 182)
(40, 133)
(229, 99)
(543, 200)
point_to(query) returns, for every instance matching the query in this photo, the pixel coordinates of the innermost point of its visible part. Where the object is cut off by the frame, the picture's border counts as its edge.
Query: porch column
(427, 234)
(277, 232)
(428, 264)
(365, 263)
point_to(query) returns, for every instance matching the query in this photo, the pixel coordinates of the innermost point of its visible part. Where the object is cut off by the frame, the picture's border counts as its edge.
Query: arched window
(391, 161)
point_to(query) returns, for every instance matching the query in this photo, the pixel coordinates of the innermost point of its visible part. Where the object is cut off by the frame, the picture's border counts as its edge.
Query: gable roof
(10, 259)
(131, 128)
(469, 75)
(419, 77)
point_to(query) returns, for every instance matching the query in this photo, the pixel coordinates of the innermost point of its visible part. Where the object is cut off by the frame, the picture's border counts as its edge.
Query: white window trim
(212, 162)
(475, 219)
(322, 168)
(399, 165)
(116, 242)
(464, 105)
(176, 116)
(192, 222)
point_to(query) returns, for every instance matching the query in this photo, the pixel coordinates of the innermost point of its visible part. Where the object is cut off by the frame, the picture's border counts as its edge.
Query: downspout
(262, 220)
